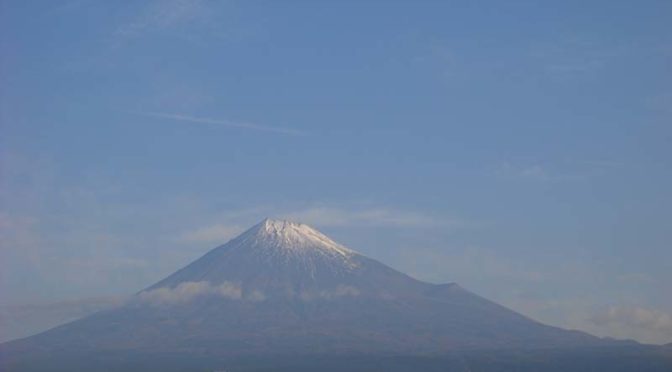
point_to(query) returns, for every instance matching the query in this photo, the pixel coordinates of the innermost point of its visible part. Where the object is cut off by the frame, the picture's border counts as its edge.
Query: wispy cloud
(577, 55)
(159, 15)
(334, 216)
(213, 233)
(189, 291)
(228, 225)
(222, 122)
(196, 22)
(555, 170)
(633, 316)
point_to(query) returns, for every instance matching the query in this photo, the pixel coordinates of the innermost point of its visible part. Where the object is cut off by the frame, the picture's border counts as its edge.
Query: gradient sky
(522, 149)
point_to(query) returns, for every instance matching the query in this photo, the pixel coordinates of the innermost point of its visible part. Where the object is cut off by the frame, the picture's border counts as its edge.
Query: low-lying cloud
(635, 317)
(643, 324)
(189, 291)
(338, 292)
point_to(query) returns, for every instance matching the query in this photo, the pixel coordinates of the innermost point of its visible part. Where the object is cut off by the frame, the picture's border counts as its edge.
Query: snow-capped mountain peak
(273, 253)
(285, 288)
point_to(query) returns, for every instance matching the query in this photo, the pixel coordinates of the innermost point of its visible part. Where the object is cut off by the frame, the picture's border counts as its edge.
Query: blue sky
(521, 149)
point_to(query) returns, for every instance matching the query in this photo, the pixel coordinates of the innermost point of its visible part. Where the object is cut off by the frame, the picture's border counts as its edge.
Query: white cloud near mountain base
(644, 324)
(188, 291)
(635, 317)
(338, 292)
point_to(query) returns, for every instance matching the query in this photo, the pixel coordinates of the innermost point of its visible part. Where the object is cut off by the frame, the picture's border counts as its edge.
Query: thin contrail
(227, 123)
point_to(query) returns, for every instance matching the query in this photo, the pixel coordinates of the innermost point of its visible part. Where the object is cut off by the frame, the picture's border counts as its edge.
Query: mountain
(282, 290)
(19, 321)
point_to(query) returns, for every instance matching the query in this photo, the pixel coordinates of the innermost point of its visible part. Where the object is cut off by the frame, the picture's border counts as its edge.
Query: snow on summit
(287, 235)
(291, 241)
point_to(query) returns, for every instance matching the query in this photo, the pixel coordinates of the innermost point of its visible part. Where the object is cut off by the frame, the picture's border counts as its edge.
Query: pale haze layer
(522, 150)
